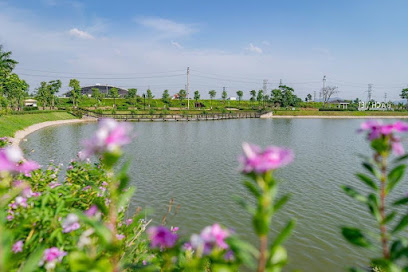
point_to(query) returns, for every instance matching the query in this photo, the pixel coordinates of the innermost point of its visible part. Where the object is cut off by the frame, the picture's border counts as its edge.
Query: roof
(30, 100)
(338, 102)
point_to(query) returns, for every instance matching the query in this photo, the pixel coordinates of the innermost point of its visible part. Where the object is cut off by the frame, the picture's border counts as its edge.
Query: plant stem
(262, 251)
(383, 227)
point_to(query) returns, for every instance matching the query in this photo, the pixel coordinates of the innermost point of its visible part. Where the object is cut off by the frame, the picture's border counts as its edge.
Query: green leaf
(123, 176)
(401, 201)
(389, 217)
(125, 197)
(354, 194)
(280, 202)
(371, 169)
(252, 188)
(395, 176)
(249, 208)
(373, 205)
(401, 225)
(278, 258)
(367, 180)
(355, 237)
(284, 234)
(32, 262)
(401, 158)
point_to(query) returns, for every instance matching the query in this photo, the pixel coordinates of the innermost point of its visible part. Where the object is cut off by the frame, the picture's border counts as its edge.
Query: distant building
(340, 104)
(232, 98)
(103, 89)
(30, 103)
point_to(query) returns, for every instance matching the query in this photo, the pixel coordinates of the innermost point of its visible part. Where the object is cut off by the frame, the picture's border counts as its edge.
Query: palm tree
(7, 65)
(212, 94)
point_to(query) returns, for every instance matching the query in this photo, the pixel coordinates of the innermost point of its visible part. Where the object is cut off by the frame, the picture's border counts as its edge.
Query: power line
(101, 74)
(118, 78)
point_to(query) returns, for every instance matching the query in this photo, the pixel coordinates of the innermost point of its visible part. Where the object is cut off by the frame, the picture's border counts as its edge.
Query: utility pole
(385, 98)
(314, 96)
(188, 85)
(280, 83)
(370, 91)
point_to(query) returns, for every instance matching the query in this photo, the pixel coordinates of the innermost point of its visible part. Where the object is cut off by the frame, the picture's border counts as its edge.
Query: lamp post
(144, 102)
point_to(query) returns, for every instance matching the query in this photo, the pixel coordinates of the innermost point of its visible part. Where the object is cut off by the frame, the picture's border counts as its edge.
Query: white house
(232, 98)
(30, 103)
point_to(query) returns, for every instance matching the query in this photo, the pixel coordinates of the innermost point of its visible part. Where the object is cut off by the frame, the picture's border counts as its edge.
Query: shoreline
(21, 134)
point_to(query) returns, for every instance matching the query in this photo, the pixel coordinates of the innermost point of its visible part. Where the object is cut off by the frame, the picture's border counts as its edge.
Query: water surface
(195, 163)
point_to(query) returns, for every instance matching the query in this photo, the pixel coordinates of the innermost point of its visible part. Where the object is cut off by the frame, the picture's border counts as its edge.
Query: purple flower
(129, 221)
(70, 223)
(18, 246)
(109, 137)
(19, 201)
(11, 160)
(51, 256)
(210, 237)
(262, 161)
(161, 237)
(91, 211)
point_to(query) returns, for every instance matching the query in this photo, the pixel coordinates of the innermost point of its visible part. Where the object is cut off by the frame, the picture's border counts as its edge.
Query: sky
(231, 44)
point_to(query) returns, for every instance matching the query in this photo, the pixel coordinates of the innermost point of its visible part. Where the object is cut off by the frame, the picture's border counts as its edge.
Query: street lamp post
(144, 102)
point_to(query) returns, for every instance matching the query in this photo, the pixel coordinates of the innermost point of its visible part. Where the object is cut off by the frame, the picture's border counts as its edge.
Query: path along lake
(195, 163)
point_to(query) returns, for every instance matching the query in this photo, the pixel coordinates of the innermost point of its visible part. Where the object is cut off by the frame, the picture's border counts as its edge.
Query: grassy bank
(9, 124)
(341, 113)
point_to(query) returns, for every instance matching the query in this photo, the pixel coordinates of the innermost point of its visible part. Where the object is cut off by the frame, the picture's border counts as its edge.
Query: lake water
(195, 163)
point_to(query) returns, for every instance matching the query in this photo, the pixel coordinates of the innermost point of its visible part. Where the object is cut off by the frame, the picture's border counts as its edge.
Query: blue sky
(233, 44)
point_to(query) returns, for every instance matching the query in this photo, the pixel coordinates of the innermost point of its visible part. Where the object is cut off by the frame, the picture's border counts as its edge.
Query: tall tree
(308, 98)
(132, 94)
(404, 95)
(196, 96)
(253, 95)
(43, 94)
(149, 96)
(54, 87)
(212, 94)
(113, 92)
(181, 95)
(96, 94)
(276, 97)
(166, 97)
(16, 90)
(75, 91)
(327, 92)
(7, 64)
(240, 94)
(224, 95)
(259, 97)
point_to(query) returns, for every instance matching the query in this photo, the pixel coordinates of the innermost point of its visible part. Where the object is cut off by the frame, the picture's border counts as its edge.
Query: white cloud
(254, 49)
(80, 34)
(176, 45)
(165, 26)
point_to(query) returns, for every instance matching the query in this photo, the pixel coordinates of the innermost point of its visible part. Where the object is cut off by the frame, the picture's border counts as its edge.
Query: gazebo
(340, 104)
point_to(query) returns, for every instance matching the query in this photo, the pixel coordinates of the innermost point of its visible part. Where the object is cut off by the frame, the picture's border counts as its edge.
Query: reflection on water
(195, 163)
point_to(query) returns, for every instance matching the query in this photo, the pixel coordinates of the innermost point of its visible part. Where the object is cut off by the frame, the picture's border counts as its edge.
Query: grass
(9, 124)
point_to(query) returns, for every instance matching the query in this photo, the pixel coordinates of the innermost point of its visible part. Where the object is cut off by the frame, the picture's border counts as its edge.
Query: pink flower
(161, 237)
(129, 221)
(120, 236)
(54, 184)
(397, 148)
(11, 160)
(91, 211)
(174, 229)
(19, 201)
(109, 137)
(18, 246)
(261, 161)
(70, 223)
(209, 238)
(51, 256)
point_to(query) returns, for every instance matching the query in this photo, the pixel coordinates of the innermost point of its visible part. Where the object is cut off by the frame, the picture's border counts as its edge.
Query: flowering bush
(381, 181)
(78, 222)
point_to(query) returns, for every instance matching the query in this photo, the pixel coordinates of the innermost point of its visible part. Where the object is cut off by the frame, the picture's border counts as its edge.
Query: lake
(195, 163)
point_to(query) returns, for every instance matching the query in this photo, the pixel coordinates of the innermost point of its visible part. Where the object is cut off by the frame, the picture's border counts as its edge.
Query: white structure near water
(378, 106)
